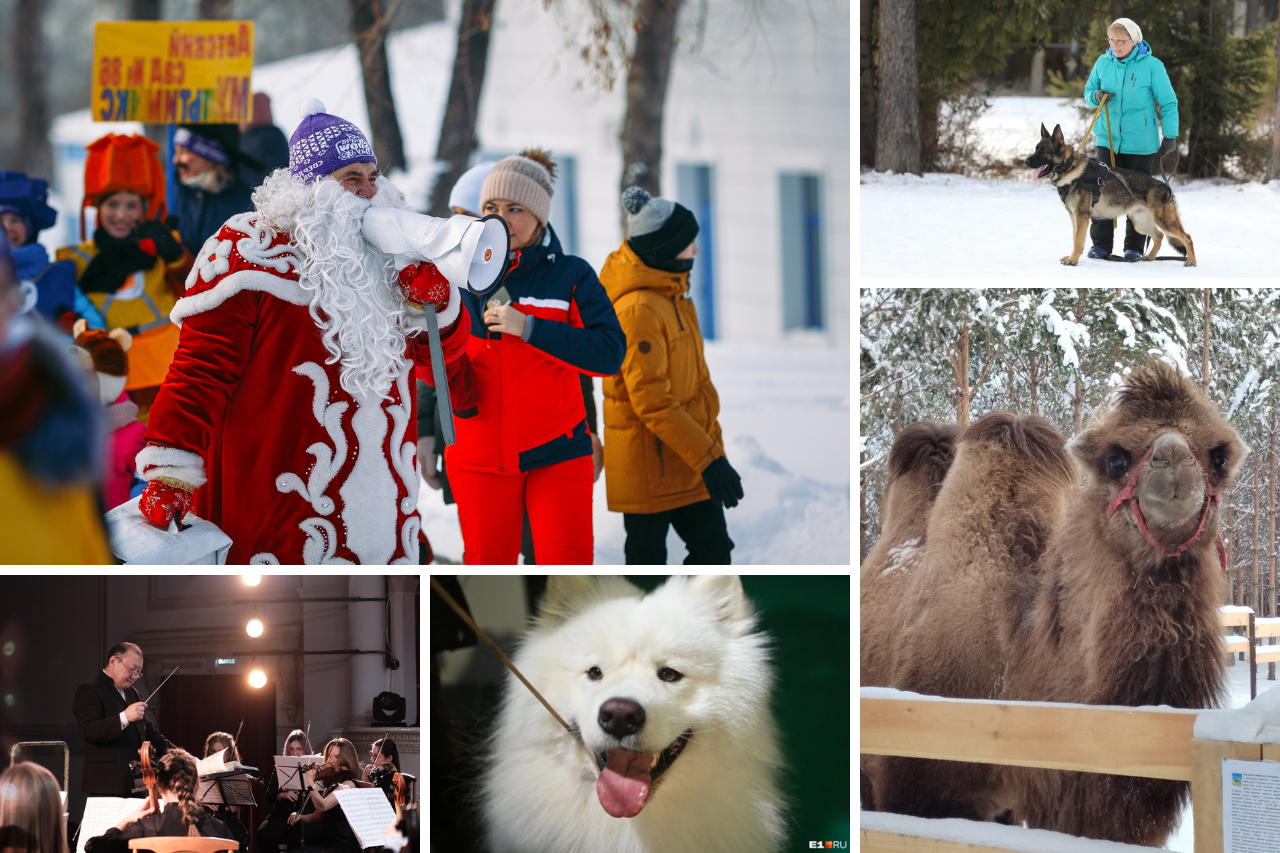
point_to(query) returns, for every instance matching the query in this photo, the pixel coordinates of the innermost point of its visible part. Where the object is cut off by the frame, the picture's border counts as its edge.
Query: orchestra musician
(323, 826)
(275, 829)
(113, 722)
(31, 811)
(384, 762)
(177, 781)
(230, 815)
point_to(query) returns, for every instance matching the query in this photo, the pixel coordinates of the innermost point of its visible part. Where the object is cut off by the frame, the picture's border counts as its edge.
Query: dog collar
(1211, 499)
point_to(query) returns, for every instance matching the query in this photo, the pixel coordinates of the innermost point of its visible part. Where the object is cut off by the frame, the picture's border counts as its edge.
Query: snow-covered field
(785, 417)
(943, 225)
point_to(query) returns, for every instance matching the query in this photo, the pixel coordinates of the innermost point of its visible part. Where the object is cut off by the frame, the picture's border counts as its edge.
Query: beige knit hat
(524, 178)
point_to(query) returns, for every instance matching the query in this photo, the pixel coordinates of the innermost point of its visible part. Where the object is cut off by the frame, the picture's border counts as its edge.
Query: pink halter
(1211, 499)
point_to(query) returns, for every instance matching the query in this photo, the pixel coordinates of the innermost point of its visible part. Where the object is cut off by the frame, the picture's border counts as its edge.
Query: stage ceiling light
(253, 580)
(254, 628)
(257, 679)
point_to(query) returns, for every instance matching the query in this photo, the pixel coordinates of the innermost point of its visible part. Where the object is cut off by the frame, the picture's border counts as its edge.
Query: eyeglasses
(1119, 41)
(136, 673)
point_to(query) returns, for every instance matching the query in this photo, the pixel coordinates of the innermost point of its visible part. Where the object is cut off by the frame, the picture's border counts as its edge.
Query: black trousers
(1101, 232)
(701, 526)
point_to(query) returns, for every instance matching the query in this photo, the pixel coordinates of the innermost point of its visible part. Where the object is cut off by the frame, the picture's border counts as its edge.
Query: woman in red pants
(527, 445)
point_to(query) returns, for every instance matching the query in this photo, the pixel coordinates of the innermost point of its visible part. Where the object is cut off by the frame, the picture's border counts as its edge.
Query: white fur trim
(417, 318)
(281, 288)
(369, 493)
(155, 461)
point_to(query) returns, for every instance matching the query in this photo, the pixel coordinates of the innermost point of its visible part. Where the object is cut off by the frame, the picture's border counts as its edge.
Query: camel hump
(927, 447)
(1029, 440)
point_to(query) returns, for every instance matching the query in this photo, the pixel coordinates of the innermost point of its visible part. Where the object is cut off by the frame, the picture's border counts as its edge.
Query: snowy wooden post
(1206, 787)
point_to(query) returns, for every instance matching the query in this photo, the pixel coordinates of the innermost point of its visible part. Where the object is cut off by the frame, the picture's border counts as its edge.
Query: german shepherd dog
(1106, 193)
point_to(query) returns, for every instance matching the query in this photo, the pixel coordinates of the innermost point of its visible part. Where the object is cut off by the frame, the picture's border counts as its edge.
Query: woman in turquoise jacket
(1141, 103)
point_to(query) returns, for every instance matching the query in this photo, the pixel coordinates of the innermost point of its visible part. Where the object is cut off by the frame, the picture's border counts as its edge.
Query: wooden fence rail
(1154, 743)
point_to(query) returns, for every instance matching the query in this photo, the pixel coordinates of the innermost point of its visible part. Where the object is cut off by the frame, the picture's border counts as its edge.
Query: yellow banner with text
(172, 72)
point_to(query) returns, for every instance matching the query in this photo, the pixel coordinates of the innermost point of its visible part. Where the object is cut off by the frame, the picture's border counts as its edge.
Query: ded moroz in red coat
(299, 470)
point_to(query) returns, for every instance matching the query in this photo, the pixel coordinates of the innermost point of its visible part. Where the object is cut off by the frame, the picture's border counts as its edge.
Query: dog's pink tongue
(623, 786)
(1039, 172)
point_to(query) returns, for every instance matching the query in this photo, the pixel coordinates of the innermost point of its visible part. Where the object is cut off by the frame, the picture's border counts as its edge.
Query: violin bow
(235, 744)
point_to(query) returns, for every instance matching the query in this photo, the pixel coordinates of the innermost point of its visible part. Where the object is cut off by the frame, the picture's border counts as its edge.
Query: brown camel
(918, 460)
(1119, 607)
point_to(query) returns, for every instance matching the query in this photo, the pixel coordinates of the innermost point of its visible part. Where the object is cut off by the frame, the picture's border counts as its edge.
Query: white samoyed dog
(674, 748)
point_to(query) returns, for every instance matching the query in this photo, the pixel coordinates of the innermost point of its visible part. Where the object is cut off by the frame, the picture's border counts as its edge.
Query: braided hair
(176, 773)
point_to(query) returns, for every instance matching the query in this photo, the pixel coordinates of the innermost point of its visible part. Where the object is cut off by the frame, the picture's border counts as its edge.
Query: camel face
(1171, 487)
(1161, 428)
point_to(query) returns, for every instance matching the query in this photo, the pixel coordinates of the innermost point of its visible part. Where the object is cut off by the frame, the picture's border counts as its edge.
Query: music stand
(230, 788)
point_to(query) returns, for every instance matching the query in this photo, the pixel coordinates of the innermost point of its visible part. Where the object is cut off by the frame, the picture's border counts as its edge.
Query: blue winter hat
(466, 192)
(324, 143)
(28, 198)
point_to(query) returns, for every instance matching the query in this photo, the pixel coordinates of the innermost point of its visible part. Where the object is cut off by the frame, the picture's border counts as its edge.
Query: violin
(329, 773)
(397, 782)
(146, 754)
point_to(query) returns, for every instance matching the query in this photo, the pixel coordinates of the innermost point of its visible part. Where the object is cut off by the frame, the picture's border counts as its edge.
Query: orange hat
(124, 163)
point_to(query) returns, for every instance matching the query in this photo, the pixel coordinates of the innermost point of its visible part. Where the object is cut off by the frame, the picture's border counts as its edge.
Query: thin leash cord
(448, 599)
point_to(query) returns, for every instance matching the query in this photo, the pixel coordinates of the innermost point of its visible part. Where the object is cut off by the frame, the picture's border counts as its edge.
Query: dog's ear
(568, 595)
(1044, 134)
(1057, 134)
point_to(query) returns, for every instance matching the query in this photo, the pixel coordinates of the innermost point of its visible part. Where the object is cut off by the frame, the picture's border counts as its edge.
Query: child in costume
(48, 288)
(134, 267)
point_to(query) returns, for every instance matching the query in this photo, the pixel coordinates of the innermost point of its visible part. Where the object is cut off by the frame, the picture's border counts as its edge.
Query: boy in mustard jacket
(664, 456)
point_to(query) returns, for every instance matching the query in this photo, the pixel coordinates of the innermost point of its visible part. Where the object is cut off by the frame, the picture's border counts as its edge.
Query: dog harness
(1211, 499)
(1092, 179)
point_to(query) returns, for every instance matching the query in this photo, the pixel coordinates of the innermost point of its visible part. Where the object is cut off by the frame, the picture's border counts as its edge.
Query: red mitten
(423, 283)
(162, 499)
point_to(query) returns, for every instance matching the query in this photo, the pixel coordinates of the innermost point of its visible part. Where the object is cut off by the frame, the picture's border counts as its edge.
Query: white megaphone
(471, 253)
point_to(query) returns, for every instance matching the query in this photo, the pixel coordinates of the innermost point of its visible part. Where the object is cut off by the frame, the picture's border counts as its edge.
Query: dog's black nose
(621, 717)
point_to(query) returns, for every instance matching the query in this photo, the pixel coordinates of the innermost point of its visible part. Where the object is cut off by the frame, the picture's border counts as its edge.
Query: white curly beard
(355, 298)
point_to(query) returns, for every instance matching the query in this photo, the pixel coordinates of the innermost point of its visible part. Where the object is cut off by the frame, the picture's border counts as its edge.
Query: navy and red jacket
(530, 408)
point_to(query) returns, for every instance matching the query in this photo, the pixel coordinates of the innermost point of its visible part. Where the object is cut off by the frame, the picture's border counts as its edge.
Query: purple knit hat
(323, 143)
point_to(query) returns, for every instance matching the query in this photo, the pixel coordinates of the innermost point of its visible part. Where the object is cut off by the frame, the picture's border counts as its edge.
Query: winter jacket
(55, 285)
(141, 305)
(660, 428)
(1140, 86)
(530, 409)
(201, 213)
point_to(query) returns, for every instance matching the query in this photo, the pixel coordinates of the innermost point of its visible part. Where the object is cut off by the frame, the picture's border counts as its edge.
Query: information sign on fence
(172, 72)
(1250, 806)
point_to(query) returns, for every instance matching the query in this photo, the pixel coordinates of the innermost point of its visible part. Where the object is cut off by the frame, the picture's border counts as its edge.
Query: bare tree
(647, 75)
(898, 100)
(34, 155)
(216, 10)
(369, 24)
(1273, 162)
(866, 85)
(458, 129)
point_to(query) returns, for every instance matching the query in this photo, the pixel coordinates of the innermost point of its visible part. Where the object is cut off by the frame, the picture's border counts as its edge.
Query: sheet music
(368, 813)
(216, 763)
(288, 776)
(102, 813)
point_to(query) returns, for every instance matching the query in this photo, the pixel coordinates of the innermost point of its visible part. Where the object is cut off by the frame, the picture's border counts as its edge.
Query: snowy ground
(973, 228)
(785, 416)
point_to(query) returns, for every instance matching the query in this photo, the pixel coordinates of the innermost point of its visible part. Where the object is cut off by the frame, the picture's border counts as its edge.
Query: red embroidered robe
(299, 470)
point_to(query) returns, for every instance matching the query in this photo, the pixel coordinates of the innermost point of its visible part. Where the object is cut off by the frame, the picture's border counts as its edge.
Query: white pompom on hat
(1130, 27)
(324, 143)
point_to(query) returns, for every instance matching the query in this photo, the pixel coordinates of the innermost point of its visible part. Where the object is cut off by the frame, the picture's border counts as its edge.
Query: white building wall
(756, 99)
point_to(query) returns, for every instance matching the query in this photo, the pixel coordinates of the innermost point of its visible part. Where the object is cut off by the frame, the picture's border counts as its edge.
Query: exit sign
(225, 661)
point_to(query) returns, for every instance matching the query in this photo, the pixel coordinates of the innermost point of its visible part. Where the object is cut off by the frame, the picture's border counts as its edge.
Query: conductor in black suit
(113, 722)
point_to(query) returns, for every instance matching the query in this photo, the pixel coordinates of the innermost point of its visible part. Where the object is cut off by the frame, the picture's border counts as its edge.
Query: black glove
(1102, 94)
(1168, 145)
(116, 260)
(723, 483)
(166, 244)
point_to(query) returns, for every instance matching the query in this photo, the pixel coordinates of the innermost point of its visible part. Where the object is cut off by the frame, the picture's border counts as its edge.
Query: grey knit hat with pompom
(659, 228)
